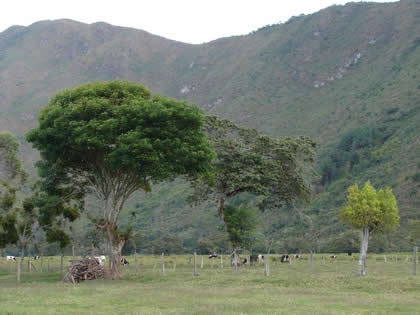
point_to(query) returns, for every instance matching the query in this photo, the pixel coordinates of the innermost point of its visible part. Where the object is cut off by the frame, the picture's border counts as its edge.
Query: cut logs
(86, 269)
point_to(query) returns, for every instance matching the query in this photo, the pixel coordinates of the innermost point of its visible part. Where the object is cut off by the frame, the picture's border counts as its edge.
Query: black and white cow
(285, 259)
(100, 260)
(211, 256)
(10, 258)
(124, 261)
(333, 256)
(36, 257)
(297, 256)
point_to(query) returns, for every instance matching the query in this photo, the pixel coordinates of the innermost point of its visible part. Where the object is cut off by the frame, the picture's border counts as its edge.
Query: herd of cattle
(252, 258)
(99, 259)
(285, 259)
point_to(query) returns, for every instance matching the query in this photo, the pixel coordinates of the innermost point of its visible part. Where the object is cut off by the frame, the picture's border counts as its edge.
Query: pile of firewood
(86, 269)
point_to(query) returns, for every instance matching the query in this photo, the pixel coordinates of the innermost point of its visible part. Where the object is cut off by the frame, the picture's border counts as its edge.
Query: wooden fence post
(415, 261)
(163, 264)
(312, 261)
(137, 263)
(195, 264)
(266, 266)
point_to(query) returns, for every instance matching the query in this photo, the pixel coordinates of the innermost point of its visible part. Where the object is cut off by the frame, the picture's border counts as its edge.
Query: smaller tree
(240, 223)
(370, 212)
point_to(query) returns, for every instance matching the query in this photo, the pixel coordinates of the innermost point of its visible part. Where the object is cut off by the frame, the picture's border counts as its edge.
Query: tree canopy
(10, 164)
(278, 169)
(366, 208)
(112, 139)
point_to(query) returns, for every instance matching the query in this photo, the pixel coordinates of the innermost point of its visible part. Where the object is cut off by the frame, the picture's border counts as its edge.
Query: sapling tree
(278, 169)
(110, 140)
(240, 224)
(370, 212)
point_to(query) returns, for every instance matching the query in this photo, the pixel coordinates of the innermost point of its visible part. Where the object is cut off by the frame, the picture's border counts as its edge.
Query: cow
(124, 261)
(333, 256)
(297, 256)
(349, 252)
(36, 257)
(10, 258)
(285, 259)
(260, 259)
(100, 259)
(211, 256)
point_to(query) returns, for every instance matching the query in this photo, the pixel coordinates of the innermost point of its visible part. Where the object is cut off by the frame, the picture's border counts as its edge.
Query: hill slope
(348, 76)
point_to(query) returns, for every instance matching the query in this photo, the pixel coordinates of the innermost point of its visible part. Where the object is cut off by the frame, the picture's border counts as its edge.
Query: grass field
(331, 287)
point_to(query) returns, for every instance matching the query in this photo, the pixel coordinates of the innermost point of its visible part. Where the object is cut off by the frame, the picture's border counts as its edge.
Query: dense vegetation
(348, 76)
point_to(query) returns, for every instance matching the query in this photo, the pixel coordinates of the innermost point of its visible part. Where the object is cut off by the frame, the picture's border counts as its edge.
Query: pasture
(330, 286)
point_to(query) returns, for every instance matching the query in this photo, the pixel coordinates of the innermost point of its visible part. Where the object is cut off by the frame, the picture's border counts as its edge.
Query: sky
(190, 21)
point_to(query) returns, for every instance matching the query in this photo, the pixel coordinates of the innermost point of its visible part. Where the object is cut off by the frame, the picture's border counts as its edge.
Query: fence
(398, 264)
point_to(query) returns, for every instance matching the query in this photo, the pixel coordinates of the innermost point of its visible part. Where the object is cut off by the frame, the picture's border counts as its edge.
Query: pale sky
(191, 21)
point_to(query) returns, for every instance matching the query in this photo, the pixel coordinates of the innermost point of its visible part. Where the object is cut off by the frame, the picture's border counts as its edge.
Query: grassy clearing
(333, 288)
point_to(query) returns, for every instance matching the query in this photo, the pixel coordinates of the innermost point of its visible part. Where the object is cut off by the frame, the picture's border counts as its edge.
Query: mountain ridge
(345, 72)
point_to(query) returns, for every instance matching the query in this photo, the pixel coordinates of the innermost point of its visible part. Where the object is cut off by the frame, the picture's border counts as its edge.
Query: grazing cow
(285, 259)
(253, 258)
(100, 260)
(214, 255)
(349, 252)
(260, 259)
(124, 261)
(333, 256)
(10, 258)
(297, 256)
(36, 257)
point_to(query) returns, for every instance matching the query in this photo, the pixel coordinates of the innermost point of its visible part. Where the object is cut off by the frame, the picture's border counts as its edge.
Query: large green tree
(18, 217)
(111, 139)
(277, 169)
(370, 212)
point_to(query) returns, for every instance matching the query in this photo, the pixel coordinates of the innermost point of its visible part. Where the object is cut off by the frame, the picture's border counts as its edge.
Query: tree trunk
(221, 205)
(117, 243)
(19, 264)
(62, 263)
(363, 250)
(235, 259)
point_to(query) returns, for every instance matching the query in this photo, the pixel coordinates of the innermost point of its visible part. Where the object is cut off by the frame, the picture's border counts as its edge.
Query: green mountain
(348, 76)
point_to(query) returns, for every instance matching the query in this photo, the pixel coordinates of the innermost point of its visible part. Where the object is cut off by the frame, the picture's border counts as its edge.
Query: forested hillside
(347, 76)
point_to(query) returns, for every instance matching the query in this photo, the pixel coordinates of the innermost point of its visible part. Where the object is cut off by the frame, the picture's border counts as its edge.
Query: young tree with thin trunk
(370, 212)
(240, 224)
(112, 139)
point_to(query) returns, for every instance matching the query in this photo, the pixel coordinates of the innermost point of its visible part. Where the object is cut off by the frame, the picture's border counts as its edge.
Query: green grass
(333, 288)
